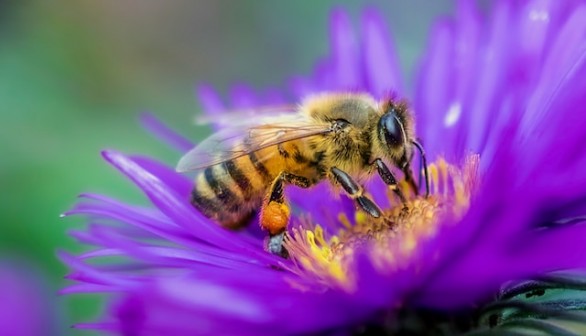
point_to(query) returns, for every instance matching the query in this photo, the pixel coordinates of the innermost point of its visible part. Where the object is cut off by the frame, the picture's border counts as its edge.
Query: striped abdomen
(231, 191)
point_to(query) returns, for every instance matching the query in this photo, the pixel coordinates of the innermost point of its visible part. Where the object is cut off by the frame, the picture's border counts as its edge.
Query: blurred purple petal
(175, 207)
(243, 96)
(434, 91)
(380, 62)
(164, 133)
(345, 59)
(209, 99)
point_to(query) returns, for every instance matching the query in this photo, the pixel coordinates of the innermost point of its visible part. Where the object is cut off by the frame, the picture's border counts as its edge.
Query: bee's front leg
(406, 168)
(355, 191)
(275, 213)
(423, 158)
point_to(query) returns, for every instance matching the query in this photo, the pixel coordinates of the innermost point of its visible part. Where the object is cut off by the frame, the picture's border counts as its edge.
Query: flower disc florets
(391, 239)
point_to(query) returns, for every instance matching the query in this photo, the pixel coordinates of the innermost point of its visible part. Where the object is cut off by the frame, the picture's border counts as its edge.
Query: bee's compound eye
(392, 129)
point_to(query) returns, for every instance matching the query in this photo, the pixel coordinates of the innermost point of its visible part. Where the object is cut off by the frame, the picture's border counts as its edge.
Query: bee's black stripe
(299, 158)
(318, 156)
(260, 167)
(282, 151)
(205, 205)
(317, 162)
(240, 178)
(223, 194)
(366, 152)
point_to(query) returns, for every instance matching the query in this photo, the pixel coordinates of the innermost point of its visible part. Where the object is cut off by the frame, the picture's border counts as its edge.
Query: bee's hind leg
(356, 192)
(275, 245)
(275, 212)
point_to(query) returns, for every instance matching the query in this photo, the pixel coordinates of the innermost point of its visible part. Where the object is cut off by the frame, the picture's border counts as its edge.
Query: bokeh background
(74, 76)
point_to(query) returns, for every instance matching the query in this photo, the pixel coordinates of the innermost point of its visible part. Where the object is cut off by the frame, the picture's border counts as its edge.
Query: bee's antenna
(424, 163)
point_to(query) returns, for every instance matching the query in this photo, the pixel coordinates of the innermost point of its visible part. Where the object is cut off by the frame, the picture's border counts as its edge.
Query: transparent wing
(244, 116)
(234, 142)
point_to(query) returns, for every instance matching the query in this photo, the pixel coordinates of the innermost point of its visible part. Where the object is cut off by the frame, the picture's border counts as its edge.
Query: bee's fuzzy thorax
(356, 108)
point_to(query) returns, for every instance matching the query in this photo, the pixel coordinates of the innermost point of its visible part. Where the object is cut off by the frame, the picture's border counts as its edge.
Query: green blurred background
(74, 75)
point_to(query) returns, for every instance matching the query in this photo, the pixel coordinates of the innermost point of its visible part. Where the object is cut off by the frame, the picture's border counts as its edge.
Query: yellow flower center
(389, 241)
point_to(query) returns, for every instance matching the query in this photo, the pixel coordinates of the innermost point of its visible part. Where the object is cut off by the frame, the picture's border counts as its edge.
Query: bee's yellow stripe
(240, 179)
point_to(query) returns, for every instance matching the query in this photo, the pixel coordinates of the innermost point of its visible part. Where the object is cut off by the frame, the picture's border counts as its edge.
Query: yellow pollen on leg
(390, 241)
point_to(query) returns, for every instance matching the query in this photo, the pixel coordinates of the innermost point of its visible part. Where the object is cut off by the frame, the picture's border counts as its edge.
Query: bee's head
(391, 129)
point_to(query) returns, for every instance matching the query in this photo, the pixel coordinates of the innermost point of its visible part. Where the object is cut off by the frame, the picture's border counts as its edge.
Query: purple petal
(85, 288)
(135, 216)
(243, 96)
(433, 97)
(533, 25)
(322, 210)
(180, 212)
(179, 183)
(170, 256)
(301, 87)
(324, 76)
(209, 99)
(191, 306)
(273, 97)
(89, 274)
(380, 63)
(567, 50)
(164, 133)
(210, 102)
(529, 257)
(345, 58)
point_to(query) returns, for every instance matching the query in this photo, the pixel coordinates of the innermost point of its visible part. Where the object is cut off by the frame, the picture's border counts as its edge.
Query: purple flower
(500, 104)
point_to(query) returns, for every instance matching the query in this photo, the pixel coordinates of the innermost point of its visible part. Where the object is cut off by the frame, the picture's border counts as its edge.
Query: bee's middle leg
(356, 192)
(390, 180)
(275, 213)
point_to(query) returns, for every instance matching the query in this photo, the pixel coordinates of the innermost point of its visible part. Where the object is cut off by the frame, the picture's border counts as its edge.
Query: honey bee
(342, 138)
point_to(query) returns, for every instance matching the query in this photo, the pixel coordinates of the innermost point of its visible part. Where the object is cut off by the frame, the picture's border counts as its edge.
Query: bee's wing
(231, 118)
(234, 142)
